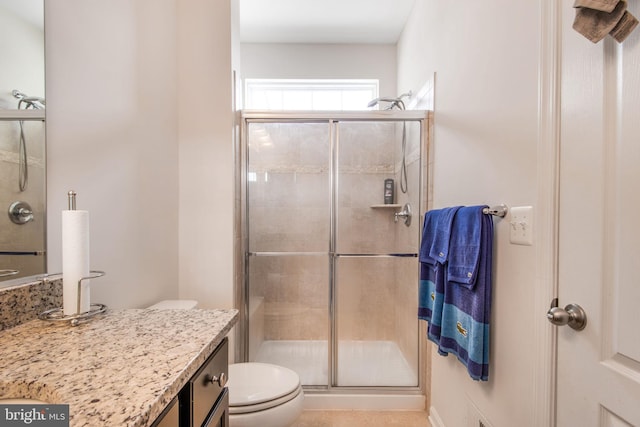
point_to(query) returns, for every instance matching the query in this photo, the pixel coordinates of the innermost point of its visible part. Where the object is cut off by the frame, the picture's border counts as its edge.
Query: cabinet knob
(220, 379)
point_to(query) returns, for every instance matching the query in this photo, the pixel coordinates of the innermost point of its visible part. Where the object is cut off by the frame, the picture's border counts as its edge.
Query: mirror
(22, 140)
(21, 50)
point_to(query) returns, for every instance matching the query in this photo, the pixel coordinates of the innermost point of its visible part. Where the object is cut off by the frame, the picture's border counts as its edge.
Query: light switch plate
(521, 225)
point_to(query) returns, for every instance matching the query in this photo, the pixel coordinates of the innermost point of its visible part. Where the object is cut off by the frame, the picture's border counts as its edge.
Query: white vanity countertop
(121, 368)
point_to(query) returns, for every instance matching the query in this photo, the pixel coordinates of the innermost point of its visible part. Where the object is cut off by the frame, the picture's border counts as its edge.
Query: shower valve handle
(401, 214)
(20, 213)
(405, 213)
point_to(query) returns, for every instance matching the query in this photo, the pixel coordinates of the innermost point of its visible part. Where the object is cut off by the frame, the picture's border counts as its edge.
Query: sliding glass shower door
(375, 264)
(288, 196)
(330, 275)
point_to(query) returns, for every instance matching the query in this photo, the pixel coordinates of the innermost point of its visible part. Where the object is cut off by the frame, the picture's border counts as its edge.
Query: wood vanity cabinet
(204, 400)
(170, 417)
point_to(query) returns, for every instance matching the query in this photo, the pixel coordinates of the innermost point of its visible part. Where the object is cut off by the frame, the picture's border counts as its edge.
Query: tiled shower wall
(406, 289)
(29, 236)
(290, 197)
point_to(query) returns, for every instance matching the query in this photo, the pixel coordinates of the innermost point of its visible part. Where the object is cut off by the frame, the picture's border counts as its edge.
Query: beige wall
(112, 135)
(205, 152)
(131, 127)
(485, 56)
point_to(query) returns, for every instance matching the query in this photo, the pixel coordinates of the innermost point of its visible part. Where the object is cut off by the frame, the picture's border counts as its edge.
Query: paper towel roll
(75, 260)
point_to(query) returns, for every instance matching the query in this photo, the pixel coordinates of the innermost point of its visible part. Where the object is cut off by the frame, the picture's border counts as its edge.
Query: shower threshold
(361, 364)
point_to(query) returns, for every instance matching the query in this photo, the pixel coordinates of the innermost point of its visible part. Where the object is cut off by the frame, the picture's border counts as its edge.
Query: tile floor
(362, 419)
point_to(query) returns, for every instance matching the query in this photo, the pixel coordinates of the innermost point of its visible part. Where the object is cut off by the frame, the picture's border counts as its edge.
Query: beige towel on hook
(602, 5)
(595, 24)
(623, 28)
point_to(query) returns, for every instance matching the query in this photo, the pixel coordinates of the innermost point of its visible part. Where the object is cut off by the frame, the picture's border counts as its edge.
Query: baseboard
(434, 418)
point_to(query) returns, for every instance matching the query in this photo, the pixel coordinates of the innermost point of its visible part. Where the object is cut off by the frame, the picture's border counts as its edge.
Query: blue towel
(440, 246)
(435, 239)
(467, 299)
(465, 247)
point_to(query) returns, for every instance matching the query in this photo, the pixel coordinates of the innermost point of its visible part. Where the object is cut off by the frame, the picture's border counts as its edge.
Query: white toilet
(260, 394)
(263, 395)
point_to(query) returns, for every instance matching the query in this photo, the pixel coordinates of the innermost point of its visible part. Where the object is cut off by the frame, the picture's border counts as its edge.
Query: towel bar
(499, 211)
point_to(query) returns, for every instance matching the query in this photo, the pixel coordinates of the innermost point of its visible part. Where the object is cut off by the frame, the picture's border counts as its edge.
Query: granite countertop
(121, 368)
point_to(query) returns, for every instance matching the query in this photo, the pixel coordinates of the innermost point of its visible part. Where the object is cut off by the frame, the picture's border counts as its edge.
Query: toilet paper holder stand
(57, 314)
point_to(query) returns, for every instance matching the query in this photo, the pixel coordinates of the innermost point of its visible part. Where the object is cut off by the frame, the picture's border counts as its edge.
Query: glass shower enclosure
(328, 272)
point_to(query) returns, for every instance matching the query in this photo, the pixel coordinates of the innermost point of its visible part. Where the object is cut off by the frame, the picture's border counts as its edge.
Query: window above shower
(309, 95)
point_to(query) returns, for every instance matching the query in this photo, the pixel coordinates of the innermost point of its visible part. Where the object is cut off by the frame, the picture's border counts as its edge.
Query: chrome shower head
(28, 101)
(394, 102)
(376, 101)
(373, 103)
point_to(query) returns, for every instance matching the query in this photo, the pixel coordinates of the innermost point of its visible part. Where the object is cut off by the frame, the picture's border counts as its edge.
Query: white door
(599, 240)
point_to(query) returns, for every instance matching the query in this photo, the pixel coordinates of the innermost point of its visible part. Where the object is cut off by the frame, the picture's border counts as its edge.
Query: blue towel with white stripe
(434, 248)
(467, 294)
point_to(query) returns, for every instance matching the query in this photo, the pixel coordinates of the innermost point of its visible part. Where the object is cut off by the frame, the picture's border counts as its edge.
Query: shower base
(360, 363)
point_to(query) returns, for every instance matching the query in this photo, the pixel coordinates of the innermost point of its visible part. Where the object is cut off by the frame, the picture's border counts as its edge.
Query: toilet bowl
(260, 394)
(263, 395)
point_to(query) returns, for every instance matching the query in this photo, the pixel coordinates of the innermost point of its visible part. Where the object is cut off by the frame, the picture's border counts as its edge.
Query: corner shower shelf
(389, 206)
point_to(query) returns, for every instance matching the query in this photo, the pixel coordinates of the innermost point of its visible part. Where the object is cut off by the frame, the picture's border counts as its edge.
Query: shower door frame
(241, 226)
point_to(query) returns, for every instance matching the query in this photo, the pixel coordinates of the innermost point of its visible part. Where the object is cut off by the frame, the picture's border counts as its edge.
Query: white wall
(485, 55)
(322, 61)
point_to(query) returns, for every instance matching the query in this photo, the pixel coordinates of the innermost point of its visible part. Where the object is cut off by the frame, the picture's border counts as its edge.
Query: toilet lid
(254, 383)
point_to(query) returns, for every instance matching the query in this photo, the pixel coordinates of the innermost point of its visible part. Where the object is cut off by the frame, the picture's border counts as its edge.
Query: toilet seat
(246, 409)
(260, 386)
